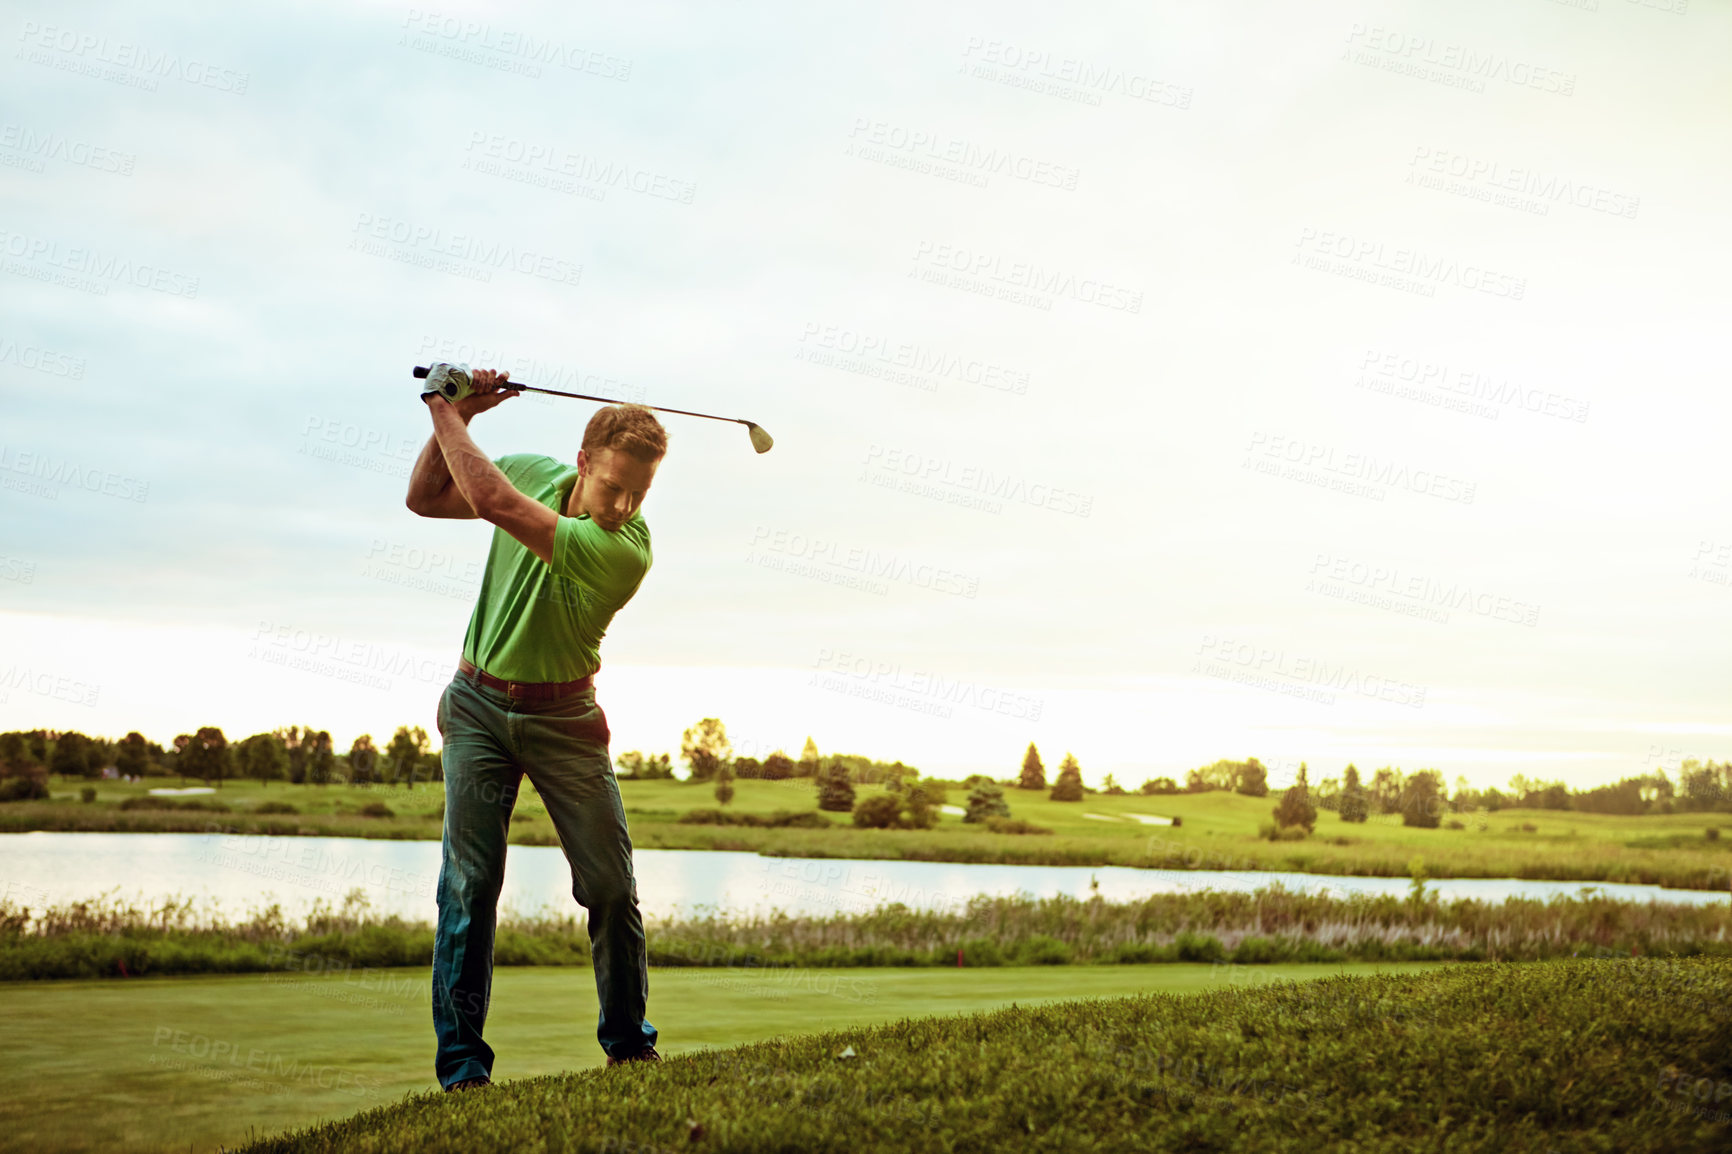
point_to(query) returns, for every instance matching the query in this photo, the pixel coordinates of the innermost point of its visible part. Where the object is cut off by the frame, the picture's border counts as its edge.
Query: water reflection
(243, 872)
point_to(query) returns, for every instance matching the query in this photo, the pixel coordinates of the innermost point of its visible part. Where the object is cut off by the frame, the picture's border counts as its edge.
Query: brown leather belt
(525, 690)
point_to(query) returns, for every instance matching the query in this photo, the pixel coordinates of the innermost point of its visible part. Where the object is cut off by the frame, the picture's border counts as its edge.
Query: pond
(241, 872)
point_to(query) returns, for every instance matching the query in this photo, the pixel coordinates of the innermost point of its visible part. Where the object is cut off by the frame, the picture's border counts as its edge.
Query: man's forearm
(462, 461)
(431, 475)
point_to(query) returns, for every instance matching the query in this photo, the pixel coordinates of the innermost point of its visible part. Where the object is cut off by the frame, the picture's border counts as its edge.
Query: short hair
(629, 429)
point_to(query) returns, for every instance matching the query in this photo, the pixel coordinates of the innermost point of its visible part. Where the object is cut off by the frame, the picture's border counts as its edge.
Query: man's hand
(487, 389)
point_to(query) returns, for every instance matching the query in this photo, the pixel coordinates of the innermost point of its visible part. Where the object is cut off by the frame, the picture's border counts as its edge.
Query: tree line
(298, 754)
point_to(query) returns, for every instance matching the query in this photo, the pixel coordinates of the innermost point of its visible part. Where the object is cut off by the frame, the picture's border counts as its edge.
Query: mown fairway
(179, 1063)
(1552, 1057)
(1218, 831)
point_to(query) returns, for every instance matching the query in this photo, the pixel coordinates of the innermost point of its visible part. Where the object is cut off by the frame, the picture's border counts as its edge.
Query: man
(570, 548)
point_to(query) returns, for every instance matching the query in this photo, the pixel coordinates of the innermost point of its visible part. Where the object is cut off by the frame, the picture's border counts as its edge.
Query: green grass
(92, 1068)
(1219, 831)
(1585, 1056)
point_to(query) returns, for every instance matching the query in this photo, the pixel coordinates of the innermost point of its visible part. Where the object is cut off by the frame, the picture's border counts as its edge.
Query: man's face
(612, 485)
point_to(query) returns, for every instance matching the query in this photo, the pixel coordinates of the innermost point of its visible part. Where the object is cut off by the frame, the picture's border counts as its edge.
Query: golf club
(760, 439)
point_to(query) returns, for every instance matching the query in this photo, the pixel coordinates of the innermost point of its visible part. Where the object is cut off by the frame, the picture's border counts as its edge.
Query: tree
(1386, 790)
(920, 804)
(404, 756)
(835, 791)
(1033, 772)
(15, 757)
(321, 758)
(71, 756)
(1253, 779)
(778, 767)
(1296, 807)
(363, 760)
(636, 767)
(1111, 787)
(261, 757)
(294, 741)
(132, 755)
(1158, 785)
(704, 747)
(808, 763)
(744, 768)
(725, 782)
(206, 755)
(985, 799)
(1354, 804)
(1069, 786)
(1422, 800)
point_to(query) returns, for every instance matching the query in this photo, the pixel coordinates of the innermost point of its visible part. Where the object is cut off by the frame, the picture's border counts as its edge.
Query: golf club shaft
(421, 371)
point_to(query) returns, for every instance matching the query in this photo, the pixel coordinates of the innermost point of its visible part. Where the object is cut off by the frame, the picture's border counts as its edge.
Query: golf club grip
(421, 372)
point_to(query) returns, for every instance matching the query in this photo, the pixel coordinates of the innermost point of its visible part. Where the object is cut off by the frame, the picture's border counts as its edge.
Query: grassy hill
(1624, 1055)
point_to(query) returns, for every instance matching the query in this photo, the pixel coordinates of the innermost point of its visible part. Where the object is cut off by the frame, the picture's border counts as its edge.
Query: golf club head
(760, 439)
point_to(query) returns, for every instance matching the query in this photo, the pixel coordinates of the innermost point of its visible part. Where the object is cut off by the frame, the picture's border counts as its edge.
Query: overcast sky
(1324, 382)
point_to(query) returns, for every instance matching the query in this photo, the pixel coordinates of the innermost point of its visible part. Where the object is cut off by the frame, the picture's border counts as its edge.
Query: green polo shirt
(539, 622)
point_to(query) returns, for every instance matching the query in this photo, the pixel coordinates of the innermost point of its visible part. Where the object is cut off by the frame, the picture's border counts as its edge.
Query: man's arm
(484, 489)
(432, 492)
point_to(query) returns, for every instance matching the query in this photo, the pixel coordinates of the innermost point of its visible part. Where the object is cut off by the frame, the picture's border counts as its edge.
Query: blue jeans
(491, 741)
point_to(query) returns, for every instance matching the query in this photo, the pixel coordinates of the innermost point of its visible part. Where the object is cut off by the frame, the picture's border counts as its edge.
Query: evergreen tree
(1354, 803)
(835, 791)
(1069, 786)
(1033, 772)
(1296, 807)
(985, 799)
(807, 766)
(1422, 801)
(725, 781)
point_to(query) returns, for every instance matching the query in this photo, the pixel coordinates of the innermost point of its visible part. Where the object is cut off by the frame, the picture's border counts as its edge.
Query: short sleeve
(610, 564)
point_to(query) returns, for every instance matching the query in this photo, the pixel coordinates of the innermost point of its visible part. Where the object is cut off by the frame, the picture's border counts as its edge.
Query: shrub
(1273, 832)
(1177, 822)
(835, 791)
(1712, 833)
(23, 789)
(376, 809)
(884, 811)
(88, 794)
(1159, 785)
(1453, 824)
(1014, 825)
(190, 803)
(1296, 810)
(275, 807)
(1529, 827)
